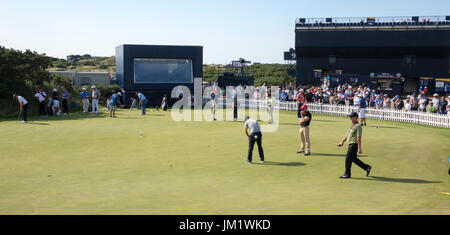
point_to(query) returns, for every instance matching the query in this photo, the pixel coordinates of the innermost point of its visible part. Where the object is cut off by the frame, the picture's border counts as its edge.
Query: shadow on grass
(132, 118)
(290, 124)
(298, 124)
(334, 155)
(156, 115)
(315, 120)
(384, 127)
(399, 180)
(289, 164)
(36, 120)
(38, 124)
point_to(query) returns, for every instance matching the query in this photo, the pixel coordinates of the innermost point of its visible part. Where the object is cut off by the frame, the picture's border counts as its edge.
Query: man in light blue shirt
(115, 99)
(85, 100)
(142, 102)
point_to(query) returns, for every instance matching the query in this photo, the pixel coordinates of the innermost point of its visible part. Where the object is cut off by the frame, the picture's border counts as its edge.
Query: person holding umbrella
(23, 105)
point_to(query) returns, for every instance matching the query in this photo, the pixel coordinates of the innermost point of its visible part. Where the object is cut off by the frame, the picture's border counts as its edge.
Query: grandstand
(416, 48)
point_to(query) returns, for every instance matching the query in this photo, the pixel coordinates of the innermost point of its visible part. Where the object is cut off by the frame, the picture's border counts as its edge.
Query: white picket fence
(416, 117)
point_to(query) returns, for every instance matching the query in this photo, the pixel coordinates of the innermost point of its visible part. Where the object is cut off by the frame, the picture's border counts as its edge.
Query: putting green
(92, 164)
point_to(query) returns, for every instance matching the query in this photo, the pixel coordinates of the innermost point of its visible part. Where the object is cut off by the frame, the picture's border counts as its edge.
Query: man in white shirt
(95, 99)
(23, 105)
(40, 97)
(436, 101)
(255, 136)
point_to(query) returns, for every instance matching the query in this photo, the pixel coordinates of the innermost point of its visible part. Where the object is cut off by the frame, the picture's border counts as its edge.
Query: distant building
(80, 79)
(155, 70)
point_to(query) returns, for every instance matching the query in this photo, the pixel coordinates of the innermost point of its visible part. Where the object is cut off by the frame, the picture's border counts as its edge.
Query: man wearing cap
(436, 102)
(305, 120)
(255, 136)
(353, 137)
(95, 98)
(142, 102)
(85, 99)
(115, 100)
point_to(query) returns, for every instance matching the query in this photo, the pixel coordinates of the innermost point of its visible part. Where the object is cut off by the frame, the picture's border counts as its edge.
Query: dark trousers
(24, 112)
(298, 110)
(65, 106)
(235, 111)
(352, 157)
(42, 108)
(255, 137)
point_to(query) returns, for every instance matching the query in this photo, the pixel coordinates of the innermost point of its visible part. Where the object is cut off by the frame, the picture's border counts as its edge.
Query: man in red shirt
(300, 102)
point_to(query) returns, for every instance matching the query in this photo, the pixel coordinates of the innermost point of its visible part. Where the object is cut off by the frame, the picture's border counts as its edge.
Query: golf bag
(164, 104)
(134, 104)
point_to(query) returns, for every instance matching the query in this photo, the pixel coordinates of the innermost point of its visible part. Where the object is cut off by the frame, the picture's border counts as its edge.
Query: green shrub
(107, 91)
(60, 81)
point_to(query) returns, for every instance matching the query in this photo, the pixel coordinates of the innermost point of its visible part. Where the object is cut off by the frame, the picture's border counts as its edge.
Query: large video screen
(163, 71)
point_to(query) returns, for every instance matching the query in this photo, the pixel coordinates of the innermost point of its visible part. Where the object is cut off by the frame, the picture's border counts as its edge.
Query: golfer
(142, 102)
(255, 136)
(115, 99)
(305, 120)
(23, 105)
(353, 137)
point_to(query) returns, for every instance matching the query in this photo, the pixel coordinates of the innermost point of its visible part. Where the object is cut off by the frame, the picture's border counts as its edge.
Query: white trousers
(94, 106)
(85, 105)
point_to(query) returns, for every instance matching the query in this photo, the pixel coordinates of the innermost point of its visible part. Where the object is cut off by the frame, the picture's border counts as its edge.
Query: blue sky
(257, 30)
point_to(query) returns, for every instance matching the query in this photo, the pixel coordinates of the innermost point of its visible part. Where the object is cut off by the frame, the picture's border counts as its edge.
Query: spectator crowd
(351, 96)
(342, 95)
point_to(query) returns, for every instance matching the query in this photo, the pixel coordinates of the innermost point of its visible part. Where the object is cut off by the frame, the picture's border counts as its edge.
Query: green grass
(97, 165)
